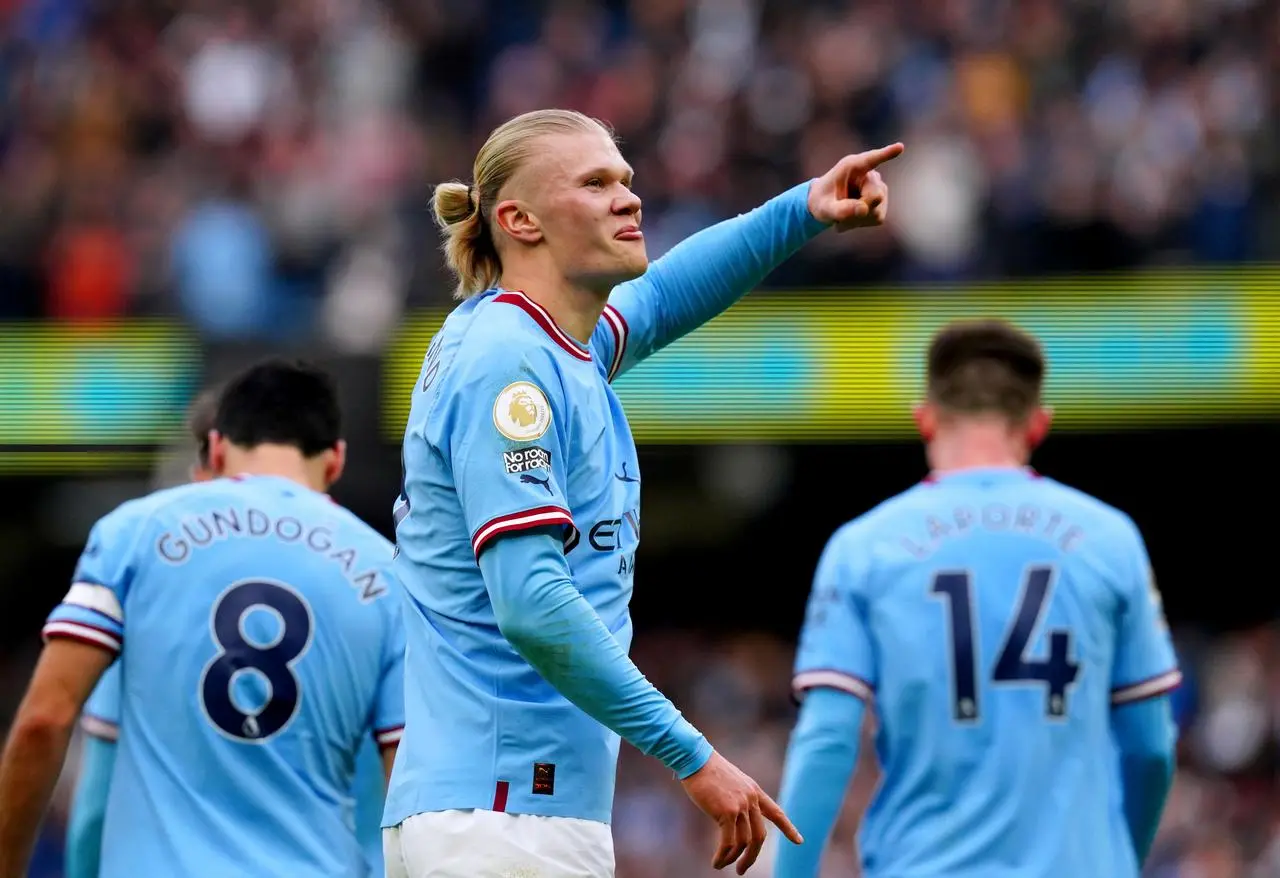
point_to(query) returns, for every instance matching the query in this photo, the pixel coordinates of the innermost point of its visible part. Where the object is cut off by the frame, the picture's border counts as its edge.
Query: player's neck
(574, 308)
(977, 446)
(277, 460)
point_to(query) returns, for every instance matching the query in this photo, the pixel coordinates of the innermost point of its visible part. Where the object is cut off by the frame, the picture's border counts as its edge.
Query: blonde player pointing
(519, 515)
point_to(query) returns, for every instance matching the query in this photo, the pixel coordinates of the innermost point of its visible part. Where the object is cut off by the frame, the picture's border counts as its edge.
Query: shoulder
(360, 532)
(136, 514)
(857, 545)
(861, 532)
(1101, 519)
(500, 343)
(504, 368)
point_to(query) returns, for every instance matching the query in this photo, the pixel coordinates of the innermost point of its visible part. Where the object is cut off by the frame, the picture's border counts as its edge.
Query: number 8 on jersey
(244, 662)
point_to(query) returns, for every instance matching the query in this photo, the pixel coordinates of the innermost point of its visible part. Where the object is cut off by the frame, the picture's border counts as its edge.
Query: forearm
(709, 271)
(821, 757)
(558, 633)
(29, 770)
(1146, 736)
(89, 808)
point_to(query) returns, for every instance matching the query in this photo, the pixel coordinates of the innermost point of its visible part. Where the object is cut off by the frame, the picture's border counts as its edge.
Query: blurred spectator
(222, 267)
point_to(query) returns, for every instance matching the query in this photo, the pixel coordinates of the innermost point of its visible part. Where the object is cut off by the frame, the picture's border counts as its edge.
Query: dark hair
(200, 420)
(281, 402)
(985, 366)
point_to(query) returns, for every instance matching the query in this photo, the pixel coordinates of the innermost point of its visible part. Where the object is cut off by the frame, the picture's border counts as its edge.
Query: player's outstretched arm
(89, 808)
(821, 757)
(37, 744)
(553, 627)
(709, 271)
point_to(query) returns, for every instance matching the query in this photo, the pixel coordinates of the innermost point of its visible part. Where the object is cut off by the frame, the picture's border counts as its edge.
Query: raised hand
(853, 194)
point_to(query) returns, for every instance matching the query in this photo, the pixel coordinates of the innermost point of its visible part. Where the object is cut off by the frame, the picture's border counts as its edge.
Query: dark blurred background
(186, 185)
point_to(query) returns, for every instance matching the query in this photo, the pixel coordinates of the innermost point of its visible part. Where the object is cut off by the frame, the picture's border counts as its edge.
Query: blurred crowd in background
(265, 168)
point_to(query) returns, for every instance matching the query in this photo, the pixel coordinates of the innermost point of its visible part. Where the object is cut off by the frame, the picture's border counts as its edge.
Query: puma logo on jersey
(534, 480)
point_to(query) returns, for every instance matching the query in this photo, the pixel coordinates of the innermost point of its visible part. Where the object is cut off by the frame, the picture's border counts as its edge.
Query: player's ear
(217, 454)
(335, 461)
(926, 419)
(514, 218)
(1038, 426)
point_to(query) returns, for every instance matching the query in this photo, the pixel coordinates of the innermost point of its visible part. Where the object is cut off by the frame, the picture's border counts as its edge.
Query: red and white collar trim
(543, 319)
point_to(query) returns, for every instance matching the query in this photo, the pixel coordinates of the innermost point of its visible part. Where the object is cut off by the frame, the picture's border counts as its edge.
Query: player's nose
(627, 203)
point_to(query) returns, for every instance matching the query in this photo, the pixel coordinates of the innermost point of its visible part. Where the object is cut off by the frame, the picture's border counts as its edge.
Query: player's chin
(617, 270)
(633, 258)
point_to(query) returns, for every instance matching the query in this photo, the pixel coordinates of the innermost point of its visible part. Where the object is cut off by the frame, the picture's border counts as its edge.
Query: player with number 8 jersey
(259, 646)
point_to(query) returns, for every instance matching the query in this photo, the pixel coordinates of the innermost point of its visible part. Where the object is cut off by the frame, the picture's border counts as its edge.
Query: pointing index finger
(876, 157)
(770, 809)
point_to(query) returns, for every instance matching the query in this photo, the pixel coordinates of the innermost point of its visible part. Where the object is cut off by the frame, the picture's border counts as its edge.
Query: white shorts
(494, 844)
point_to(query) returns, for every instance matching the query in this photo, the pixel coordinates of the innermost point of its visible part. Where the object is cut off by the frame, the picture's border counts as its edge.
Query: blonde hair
(464, 212)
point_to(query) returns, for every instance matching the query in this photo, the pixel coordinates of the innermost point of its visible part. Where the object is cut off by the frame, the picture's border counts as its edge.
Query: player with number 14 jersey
(1009, 633)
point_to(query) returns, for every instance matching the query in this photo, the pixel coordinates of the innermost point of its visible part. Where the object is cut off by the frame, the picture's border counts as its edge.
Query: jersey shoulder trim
(543, 319)
(618, 328)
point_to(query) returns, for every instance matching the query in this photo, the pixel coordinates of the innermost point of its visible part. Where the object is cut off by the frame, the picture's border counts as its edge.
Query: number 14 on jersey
(1056, 673)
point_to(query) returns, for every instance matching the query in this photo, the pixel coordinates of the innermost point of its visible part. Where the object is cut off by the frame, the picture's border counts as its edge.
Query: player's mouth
(630, 233)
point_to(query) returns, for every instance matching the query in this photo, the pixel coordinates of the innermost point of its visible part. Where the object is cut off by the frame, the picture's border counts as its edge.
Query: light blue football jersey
(264, 648)
(101, 718)
(994, 617)
(513, 425)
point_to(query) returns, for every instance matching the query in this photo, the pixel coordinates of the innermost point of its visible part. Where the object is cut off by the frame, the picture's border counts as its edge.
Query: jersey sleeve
(1145, 664)
(505, 427)
(699, 278)
(101, 714)
(835, 648)
(388, 711)
(93, 609)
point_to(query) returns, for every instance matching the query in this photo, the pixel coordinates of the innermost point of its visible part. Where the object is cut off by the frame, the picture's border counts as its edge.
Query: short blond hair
(463, 211)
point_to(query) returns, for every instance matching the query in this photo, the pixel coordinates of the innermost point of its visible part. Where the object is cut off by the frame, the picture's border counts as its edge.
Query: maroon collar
(543, 318)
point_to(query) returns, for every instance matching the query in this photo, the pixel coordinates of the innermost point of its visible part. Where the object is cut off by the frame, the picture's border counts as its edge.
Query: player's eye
(594, 183)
